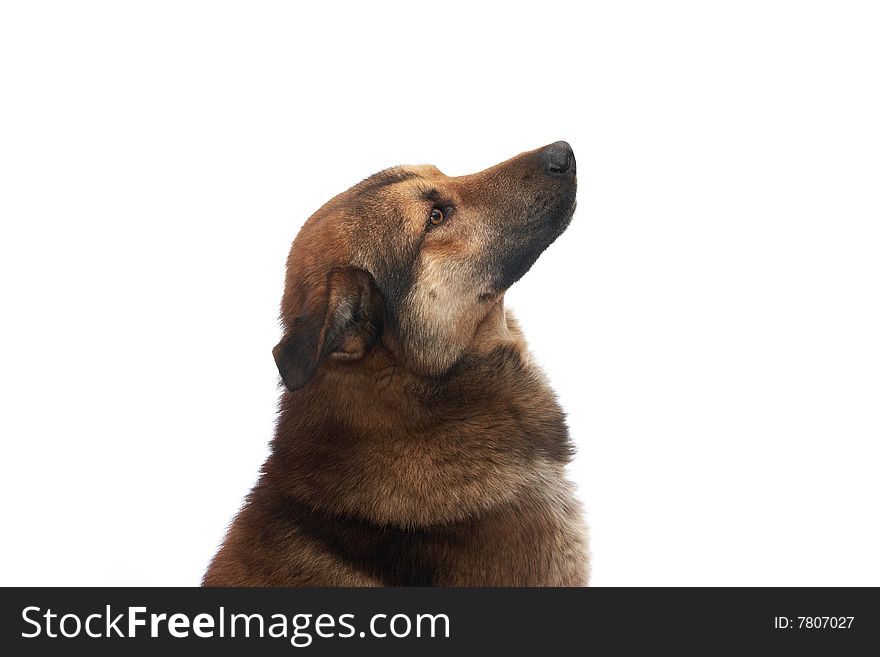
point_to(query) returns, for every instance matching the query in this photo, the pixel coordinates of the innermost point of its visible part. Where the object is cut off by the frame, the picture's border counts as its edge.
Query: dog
(417, 442)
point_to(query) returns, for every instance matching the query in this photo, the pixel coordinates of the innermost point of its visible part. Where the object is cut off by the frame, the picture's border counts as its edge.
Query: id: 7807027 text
(813, 622)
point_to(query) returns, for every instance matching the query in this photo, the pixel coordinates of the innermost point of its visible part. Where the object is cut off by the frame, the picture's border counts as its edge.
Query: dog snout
(559, 159)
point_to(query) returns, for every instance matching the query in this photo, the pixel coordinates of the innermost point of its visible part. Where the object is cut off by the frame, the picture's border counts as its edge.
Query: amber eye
(437, 216)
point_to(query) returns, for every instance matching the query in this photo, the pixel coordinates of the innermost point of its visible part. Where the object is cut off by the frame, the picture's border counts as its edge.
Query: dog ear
(340, 321)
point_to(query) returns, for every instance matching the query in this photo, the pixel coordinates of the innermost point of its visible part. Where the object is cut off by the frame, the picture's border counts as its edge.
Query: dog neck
(493, 332)
(393, 447)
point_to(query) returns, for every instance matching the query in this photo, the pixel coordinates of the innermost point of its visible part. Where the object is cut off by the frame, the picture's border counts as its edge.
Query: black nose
(559, 158)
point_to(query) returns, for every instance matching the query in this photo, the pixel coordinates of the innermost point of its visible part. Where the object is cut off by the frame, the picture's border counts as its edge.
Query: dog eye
(437, 217)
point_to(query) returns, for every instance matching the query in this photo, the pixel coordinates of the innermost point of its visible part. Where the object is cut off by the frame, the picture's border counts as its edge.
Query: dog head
(414, 260)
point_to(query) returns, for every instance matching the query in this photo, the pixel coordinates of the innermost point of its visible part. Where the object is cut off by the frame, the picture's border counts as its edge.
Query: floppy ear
(340, 321)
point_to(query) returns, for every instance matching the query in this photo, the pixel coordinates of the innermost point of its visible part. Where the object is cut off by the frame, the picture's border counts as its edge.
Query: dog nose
(559, 158)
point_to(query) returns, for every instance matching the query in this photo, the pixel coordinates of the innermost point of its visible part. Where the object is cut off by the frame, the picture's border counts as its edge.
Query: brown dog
(417, 442)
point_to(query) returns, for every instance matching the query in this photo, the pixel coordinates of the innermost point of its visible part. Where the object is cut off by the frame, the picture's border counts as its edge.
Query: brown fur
(417, 443)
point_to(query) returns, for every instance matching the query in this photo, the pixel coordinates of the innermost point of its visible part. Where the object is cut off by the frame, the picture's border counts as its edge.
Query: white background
(710, 320)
